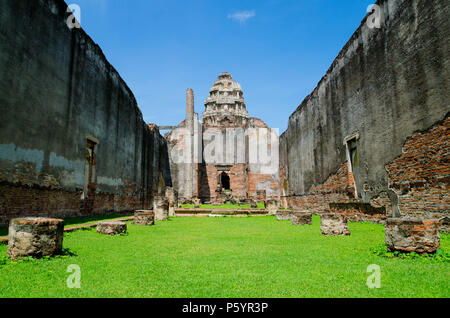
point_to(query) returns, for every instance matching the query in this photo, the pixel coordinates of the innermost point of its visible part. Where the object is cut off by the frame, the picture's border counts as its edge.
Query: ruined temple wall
(218, 152)
(390, 87)
(56, 90)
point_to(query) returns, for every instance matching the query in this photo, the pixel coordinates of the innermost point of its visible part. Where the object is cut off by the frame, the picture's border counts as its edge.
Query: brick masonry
(301, 218)
(421, 175)
(25, 201)
(385, 95)
(360, 212)
(334, 224)
(412, 235)
(92, 153)
(339, 188)
(112, 228)
(35, 237)
(283, 215)
(144, 217)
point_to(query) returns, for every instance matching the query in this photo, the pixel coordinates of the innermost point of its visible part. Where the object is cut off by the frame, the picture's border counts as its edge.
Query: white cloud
(242, 16)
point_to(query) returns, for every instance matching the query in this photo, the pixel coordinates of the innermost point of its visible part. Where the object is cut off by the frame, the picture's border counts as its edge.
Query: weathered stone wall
(389, 88)
(56, 91)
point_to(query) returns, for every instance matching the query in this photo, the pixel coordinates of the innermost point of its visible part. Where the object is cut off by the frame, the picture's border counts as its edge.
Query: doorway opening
(225, 181)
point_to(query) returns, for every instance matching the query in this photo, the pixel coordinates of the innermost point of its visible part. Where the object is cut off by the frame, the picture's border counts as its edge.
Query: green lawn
(69, 222)
(227, 206)
(226, 257)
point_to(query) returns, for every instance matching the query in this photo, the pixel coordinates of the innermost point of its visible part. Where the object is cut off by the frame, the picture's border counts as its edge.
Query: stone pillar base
(334, 224)
(112, 228)
(144, 217)
(161, 208)
(284, 215)
(301, 218)
(412, 235)
(35, 237)
(272, 206)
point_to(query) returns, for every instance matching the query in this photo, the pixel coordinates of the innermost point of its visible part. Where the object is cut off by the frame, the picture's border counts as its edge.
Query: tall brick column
(189, 103)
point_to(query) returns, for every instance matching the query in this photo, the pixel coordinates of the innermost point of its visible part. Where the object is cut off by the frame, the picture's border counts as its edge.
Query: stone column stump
(272, 207)
(35, 237)
(412, 235)
(144, 217)
(301, 218)
(171, 196)
(197, 203)
(172, 209)
(112, 228)
(161, 208)
(334, 224)
(284, 215)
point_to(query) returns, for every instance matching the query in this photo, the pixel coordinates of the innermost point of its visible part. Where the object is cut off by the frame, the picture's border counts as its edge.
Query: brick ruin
(211, 159)
(372, 141)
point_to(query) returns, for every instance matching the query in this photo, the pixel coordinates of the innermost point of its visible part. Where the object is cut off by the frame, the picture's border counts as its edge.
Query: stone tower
(225, 106)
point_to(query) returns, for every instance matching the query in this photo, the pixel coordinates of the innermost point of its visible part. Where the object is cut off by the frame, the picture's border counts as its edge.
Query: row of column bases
(401, 234)
(39, 237)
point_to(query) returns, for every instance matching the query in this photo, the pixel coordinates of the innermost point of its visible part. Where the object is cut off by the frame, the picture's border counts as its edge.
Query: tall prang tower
(210, 160)
(225, 107)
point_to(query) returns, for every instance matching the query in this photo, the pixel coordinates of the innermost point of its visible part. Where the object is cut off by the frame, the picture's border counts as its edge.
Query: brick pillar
(189, 103)
(35, 237)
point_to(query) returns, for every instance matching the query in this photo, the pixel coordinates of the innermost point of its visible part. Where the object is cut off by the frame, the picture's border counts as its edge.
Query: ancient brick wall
(72, 138)
(385, 85)
(421, 175)
(339, 187)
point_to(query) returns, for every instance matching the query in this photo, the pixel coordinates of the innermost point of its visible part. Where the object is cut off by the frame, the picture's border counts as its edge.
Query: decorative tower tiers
(225, 106)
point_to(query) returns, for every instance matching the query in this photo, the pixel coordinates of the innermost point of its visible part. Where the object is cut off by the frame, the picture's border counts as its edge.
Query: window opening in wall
(351, 143)
(353, 153)
(91, 163)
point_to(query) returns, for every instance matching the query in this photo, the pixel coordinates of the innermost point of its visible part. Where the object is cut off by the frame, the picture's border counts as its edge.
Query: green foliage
(440, 255)
(249, 257)
(3, 260)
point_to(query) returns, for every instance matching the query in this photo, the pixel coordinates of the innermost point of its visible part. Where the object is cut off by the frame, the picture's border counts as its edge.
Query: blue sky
(278, 50)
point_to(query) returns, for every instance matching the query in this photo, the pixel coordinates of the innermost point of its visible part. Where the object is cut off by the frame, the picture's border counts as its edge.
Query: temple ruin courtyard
(254, 256)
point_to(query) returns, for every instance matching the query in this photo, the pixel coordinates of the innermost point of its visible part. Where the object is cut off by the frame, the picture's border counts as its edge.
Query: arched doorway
(225, 181)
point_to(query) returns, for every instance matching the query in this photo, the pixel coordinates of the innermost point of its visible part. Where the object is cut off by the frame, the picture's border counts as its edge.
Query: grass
(69, 222)
(227, 206)
(226, 257)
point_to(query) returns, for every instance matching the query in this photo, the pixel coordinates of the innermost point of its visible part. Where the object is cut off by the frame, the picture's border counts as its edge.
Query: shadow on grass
(78, 221)
(91, 219)
(68, 252)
